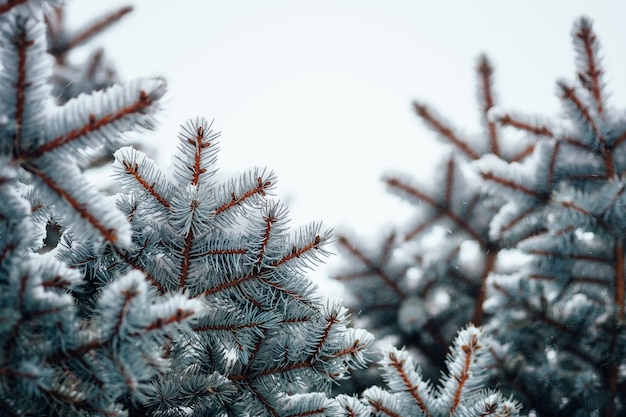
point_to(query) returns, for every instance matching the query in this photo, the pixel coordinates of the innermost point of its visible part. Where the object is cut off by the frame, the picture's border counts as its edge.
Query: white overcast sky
(320, 91)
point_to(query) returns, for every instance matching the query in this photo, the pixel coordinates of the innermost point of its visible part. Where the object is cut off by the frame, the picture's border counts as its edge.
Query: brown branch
(228, 327)
(316, 412)
(350, 410)
(260, 271)
(527, 151)
(575, 207)
(72, 353)
(437, 125)
(263, 401)
(591, 78)
(372, 267)
(235, 251)
(490, 176)
(332, 320)
(259, 189)
(138, 267)
(229, 284)
(199, 145)
(133, 169)
(398, 365)
(355, 348)
(396, 183)
(615, 198)
(6, 252)
(559, 254)
(94, 63)
(620, 139)
(257, 345)
(250, 276)
(462, 379)
(128, 296)
(490, 263)
(485, 72)
(109, 235)
(293, 294)
(57, 282)
(449, 187)
(298, 252)
(13, 333)
(11, 4)
(272, 371)
(159, 323)
(517, 219)
(572, 279)
(185, 259)
(509, 120)
(269, 221)
(21, 44)
(569, 93)
(552, 165)
(381, 409)
(97, 27)
(577, 143)
(619, 280)
(94, 124)
(388, 246)
(423, 226)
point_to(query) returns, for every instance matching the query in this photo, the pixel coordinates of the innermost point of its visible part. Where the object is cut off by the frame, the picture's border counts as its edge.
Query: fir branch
(568, 93)
(509, 120)
(412, 387)
(198, 144)
(371, 266)
(485, 71)
(94, 28)
(126, 258)
(586, 44)
(441, 207)
(260, 189)
(488, 268)
(81, 207)
(446, 132)
(21, 44)
(144, 101)
(133, 170)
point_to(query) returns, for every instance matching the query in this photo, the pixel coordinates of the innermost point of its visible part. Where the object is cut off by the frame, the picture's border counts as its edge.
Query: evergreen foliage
(520, 230)
(181, 295)
(185, 294)
(459, 393)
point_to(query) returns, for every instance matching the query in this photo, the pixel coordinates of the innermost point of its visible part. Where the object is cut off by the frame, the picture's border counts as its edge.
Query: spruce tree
(521, 231)
(180, 295)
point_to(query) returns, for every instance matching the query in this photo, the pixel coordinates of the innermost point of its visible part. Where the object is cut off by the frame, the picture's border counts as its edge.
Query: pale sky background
(320, 91)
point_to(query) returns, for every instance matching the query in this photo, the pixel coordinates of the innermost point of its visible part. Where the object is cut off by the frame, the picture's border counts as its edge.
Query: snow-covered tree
(519, 230)
(181, 295)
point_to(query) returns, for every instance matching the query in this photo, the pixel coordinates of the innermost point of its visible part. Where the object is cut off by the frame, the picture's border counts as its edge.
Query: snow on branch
(459, 391)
